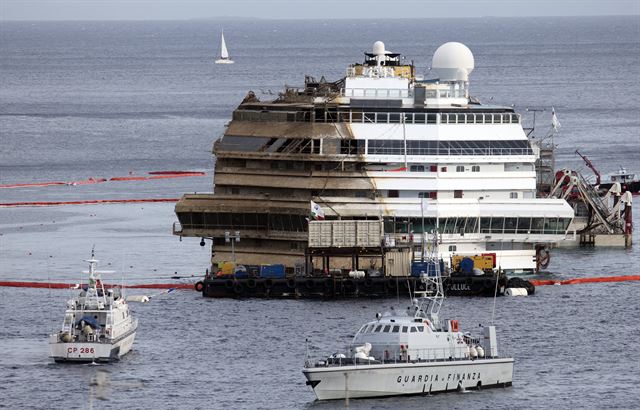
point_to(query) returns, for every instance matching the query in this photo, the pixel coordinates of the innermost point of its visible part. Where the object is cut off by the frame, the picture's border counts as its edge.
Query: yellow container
(226, 268)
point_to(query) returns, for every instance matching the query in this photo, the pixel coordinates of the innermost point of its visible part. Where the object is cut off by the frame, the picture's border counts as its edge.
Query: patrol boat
(412, 352)
(97, 326)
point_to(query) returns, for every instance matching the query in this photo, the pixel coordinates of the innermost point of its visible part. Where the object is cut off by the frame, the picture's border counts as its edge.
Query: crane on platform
(589, 164)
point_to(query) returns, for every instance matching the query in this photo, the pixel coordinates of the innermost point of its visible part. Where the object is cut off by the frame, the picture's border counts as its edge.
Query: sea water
(108, 99)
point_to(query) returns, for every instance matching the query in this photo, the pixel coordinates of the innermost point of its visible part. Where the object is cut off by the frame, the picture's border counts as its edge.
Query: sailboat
(224, 53)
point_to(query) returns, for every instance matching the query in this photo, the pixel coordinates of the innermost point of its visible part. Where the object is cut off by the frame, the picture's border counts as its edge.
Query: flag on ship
(555, 123)
(317, 214)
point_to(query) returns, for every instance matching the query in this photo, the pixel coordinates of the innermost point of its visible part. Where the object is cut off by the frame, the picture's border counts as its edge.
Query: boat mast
(431, 298)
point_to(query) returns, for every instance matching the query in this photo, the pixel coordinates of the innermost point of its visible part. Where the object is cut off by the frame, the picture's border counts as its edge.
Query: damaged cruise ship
(380, 144)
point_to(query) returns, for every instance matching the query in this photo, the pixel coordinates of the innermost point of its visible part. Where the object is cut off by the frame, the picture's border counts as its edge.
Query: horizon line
(240, 18)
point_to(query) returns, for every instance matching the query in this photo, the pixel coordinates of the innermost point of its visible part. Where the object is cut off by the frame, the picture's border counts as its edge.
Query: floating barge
(343, 288)
(347, 251)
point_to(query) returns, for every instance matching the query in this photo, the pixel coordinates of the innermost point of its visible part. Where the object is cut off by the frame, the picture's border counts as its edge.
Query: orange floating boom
(49, 285)
(87, 202)
(600, 279)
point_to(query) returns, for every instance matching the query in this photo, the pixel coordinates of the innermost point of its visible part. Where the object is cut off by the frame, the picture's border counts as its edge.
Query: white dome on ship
(378, 48)
(453, 62)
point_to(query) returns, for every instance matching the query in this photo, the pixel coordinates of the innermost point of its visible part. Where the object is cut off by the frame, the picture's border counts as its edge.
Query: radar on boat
(453, 62)
(379, 48)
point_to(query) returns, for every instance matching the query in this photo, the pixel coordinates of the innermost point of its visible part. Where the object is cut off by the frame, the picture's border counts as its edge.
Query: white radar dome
(453, 62)
(378, 48)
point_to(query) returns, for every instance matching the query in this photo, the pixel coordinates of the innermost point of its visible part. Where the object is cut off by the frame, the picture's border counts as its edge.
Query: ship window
(196, 218)
(485, 225)
(396, 329)
(419, 118)
(431, 118)
(459, 227)
(513, 195)
(452, 248)
(471, 225)
(497, 225)
(460, 168)
(413, 329)
(405, 329)
(394, 117)
(382, 117)
(416, 168)
(420, 328)
(510, 225)
(550, 225)
(565, 223)
(369, 117)
(475, 168)
(524, 224)
(378, 328)
(387, 328)
(537, 224)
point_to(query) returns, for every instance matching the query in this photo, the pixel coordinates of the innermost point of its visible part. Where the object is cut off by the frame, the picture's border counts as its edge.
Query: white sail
(224, 53)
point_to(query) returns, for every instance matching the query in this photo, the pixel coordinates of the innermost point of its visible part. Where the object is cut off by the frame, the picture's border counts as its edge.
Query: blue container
(418, 268)
(241, 274)
(272, 271)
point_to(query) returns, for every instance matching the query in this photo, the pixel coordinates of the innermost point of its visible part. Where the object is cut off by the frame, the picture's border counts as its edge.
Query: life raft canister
(454, 325)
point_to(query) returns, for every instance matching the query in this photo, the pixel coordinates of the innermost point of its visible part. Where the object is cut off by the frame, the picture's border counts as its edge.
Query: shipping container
(397, 263)
(345, 234)
(275, 271)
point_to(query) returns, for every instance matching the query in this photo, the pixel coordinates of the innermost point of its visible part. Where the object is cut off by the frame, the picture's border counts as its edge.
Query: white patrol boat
(97, 326)
(412, 352)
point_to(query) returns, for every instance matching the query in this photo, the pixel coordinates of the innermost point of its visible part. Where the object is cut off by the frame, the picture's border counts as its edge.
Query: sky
(305, 9)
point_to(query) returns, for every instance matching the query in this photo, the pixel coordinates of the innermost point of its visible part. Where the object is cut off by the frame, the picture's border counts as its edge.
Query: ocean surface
(83, 100)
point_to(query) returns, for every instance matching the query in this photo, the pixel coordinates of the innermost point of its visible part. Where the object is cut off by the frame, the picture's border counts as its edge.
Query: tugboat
(97, 326)
(412, 352)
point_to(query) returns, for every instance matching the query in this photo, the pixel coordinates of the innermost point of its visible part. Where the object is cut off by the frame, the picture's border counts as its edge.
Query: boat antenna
(495, 292)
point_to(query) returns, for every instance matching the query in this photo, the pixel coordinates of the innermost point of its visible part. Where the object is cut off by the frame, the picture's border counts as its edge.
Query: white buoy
(516, 292)
(480, 351)
(138, 298)
(473, 353)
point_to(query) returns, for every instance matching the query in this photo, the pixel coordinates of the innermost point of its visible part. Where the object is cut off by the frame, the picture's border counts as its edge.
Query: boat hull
(86, 352)
(361, 381)
(223, 61)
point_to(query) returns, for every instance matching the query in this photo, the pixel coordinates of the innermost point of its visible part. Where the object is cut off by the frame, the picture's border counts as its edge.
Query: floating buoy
(516, 292)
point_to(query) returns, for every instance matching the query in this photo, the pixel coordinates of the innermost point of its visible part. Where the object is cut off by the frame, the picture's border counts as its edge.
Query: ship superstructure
(381, 143)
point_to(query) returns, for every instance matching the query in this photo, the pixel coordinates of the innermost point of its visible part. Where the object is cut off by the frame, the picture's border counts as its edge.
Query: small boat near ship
(224, 53)
(628, 182)
(97, 326)
(412, 352)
